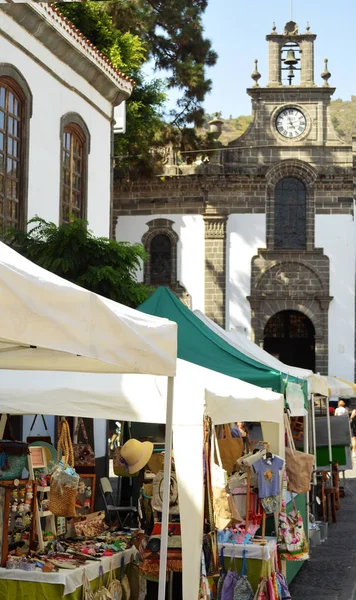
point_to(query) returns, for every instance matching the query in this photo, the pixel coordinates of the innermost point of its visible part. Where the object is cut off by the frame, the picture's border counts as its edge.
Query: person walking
(353, 432)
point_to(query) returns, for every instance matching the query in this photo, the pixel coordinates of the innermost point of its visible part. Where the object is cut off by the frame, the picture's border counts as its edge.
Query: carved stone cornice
(215, 227)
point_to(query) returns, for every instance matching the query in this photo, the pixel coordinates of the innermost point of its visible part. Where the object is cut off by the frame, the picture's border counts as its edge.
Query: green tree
(71, 251)
(169, 33)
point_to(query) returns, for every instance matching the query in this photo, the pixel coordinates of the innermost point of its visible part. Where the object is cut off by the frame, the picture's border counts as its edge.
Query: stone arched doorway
(290, 336)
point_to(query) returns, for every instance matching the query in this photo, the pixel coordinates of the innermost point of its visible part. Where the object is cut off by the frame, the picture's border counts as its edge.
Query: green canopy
(198, 344)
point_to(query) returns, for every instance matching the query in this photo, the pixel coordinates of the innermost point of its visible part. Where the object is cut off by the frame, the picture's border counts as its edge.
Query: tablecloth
(70, 579)
(255, 551)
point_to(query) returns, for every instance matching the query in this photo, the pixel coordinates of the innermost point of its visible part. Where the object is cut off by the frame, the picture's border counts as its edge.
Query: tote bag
(225, 511)
(299, 465)
(230, 450)
(292, 541)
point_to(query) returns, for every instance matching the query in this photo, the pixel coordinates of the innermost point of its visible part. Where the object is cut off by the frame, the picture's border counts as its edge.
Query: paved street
(331, 572)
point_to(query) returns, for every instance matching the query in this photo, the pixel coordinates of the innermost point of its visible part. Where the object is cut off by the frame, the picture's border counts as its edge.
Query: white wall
(190, 250)
(51, 100)
(336, 234)
(245, 234)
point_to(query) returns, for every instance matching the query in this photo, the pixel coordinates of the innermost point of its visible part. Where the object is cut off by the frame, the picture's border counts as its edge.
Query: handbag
(230, 450)
(157, 493)
(13, 457)
(225, 511)
(64, 479)
(174, 537)
(243, 589)
(88, 593)
(114, 585)
(292, 541)
(222, 577)
(39, 438)
(102, 593)
(299, 465)
(84, 457)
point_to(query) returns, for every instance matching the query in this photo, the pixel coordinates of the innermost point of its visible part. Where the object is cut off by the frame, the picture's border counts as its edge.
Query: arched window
(290, 212)
(160, 259)
(75, 141)
(73, 166)
(12, 117)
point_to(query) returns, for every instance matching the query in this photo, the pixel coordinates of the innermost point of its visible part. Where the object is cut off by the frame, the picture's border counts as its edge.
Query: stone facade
(242, 178)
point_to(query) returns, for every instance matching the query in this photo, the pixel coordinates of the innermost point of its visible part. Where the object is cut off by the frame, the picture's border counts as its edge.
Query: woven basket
(62, 501)
(14, 455)
(62, 498)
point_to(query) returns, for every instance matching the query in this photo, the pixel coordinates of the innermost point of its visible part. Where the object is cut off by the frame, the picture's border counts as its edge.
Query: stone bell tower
(289, 52)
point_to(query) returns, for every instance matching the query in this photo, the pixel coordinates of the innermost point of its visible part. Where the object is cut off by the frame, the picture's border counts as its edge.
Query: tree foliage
(71, 251)
(170, 34)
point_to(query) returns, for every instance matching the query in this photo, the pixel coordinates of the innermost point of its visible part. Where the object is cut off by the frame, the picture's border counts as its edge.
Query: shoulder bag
(230, 449)
(84, 457)
(299, 465)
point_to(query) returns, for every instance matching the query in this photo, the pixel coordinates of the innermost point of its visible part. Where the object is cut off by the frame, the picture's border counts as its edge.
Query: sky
(238, 28)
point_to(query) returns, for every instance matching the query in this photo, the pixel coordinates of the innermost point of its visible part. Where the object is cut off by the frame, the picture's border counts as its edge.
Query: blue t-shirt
(268, 476)
(235, 432)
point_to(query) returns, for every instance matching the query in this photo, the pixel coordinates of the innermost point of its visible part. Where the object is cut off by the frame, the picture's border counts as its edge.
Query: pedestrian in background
(353, 432)
(341, 410)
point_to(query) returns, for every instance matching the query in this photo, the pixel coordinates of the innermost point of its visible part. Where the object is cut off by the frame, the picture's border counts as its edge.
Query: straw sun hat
(136, 454)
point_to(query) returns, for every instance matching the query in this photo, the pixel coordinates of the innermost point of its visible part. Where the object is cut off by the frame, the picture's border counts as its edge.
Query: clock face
(291, 123)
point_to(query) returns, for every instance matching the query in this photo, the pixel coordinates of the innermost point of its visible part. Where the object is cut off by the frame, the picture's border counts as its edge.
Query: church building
(262, 237)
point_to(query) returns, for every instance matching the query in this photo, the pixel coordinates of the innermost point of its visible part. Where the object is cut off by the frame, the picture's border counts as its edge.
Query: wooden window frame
(73, 124)
(13, 82)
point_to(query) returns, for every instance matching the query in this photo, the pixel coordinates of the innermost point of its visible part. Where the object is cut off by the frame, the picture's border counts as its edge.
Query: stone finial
(256, 75)
(274, 28)
(326, 73)
(215, 125)
(308, 27)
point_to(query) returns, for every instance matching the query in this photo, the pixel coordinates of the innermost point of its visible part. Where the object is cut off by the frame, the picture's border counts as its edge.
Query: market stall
(197, 390)
(49, 323)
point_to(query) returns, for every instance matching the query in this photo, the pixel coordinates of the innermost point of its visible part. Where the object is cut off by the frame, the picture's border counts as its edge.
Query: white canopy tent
(51, 324)
(144, 398)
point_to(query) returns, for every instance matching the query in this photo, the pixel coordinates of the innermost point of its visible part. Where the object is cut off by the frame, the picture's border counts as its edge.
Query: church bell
(290, 60)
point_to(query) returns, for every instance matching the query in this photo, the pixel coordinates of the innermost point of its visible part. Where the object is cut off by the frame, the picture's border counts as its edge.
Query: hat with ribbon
(135, 455)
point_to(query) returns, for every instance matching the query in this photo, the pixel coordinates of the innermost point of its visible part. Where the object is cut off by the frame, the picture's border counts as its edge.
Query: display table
(256, 556)
(53, 586)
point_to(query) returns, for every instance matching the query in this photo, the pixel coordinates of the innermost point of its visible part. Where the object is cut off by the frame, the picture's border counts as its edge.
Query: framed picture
(38, 457)
(86, 494)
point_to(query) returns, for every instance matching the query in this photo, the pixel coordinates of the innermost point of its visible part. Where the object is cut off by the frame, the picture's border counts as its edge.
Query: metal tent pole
(166, 490)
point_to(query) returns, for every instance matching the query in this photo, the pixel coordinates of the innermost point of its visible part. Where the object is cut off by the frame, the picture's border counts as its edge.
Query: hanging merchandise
(157, 494)
(292, 541)
(84, 457)
(267, 469)
(130, 458)
(225, 511)
(230, 581)
(294, 398)
(125, 588)
(210, 542)
(39, 438)
(64, 479)
(102, 593)
(88, 593)
(230, 449)
(262, 592)
(299, 465)
(222, 577)
(13, 457)
(174, 538)
(243, 589)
